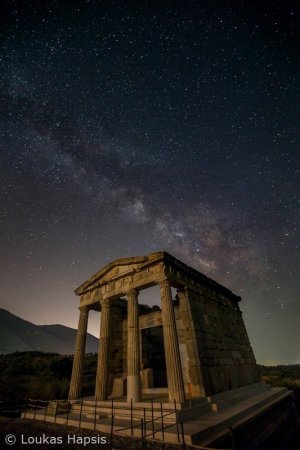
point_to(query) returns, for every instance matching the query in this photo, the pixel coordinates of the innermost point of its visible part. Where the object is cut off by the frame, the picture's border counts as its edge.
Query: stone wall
(153, 356)
(151, 342)
(226, 357)
(215, 351)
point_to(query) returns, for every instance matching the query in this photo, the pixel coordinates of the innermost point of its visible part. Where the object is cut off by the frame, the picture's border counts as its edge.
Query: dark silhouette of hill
(19, 335)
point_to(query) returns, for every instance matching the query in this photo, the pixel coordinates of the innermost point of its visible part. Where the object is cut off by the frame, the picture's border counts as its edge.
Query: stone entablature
(206, 347)
(122, 275)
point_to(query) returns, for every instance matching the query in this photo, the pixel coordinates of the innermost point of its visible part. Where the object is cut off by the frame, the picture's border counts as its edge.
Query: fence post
(182, 434)
(55, 413)
(80, 414)
(232, 438)
(95, 412)
(142, 433)
(152, 417)
(131, 424)
(35, 408)
(68, 407)
(162, 423)
(111, 432)
(46, 410)
(177, 427)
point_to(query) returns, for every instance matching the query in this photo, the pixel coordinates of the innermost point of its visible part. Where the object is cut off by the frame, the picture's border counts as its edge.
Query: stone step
(169, 417)
(200, 430)
(217, 423)
(152, 391)
(123, 404)
(194, 411)
(124, 412)
(226, 399)
(247, 388)
(108, 409)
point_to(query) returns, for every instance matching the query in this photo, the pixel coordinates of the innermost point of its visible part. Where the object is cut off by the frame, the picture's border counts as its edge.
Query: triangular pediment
(114, 270)
(145, 271)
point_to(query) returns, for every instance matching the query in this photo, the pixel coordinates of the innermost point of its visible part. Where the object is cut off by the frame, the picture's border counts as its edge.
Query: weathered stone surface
(133, 349)
(119, 387)
(76, 379)
(206, 349)
(103, 354)
(147, 378)
(172, 354)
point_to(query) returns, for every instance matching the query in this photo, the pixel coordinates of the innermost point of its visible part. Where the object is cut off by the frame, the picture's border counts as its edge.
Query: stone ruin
(194, 345)
(188, 360)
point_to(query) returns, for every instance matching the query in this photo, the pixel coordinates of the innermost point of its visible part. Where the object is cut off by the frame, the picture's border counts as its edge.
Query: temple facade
(193, 345)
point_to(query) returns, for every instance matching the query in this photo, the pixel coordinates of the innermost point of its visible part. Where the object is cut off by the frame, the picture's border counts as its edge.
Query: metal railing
(145, 424)
(149, 423)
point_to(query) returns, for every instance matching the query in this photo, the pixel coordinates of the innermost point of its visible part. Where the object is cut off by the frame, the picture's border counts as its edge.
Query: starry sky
(130, 127)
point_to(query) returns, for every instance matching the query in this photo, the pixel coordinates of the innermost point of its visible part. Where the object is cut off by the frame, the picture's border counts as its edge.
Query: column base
(73, 395)
(178, 396)
(134, 388)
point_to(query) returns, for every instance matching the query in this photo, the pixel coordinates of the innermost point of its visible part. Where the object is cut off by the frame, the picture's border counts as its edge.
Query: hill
(42, 375)
(18, 335)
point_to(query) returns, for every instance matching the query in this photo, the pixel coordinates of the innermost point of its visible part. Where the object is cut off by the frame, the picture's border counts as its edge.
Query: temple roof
(126, 266)
(122, 265)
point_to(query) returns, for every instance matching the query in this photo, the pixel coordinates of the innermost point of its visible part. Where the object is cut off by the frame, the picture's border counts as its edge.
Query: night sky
(132, 127)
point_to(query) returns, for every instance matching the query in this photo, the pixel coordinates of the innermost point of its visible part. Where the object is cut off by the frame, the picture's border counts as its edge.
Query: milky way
(128, 128)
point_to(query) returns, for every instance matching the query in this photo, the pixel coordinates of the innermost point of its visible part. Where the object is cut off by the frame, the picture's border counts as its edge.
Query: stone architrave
(76, 378)
(173, 362)
(133, 348)
(103, 353)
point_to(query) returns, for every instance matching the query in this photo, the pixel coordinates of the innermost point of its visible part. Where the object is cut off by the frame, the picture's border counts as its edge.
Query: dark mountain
(17, 334)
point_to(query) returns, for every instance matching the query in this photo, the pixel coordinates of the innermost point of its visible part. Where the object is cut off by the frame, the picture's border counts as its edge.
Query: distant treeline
(41, 375)
(47, 376)
(285, 375)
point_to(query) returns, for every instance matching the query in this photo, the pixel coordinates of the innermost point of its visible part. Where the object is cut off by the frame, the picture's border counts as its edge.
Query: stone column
(103, 352)
(75, 385)
(133, 348)
(172, 354)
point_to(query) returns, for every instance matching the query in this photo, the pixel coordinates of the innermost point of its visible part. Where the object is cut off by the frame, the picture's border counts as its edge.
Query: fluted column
(76, 378)
(103, 352)
(133, 348)
(172, 354)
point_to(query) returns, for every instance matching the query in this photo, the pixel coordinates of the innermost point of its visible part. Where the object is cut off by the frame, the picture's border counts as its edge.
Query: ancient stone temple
(194, 345)
(179, 372)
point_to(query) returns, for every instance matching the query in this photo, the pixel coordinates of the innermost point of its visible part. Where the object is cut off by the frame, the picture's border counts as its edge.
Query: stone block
(147, 378)
(119, 387)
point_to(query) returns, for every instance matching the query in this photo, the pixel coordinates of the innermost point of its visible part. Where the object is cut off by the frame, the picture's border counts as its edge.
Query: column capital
(132, 292)
(84, 308)
(165, 283)
(185, 289)
(104, 303)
